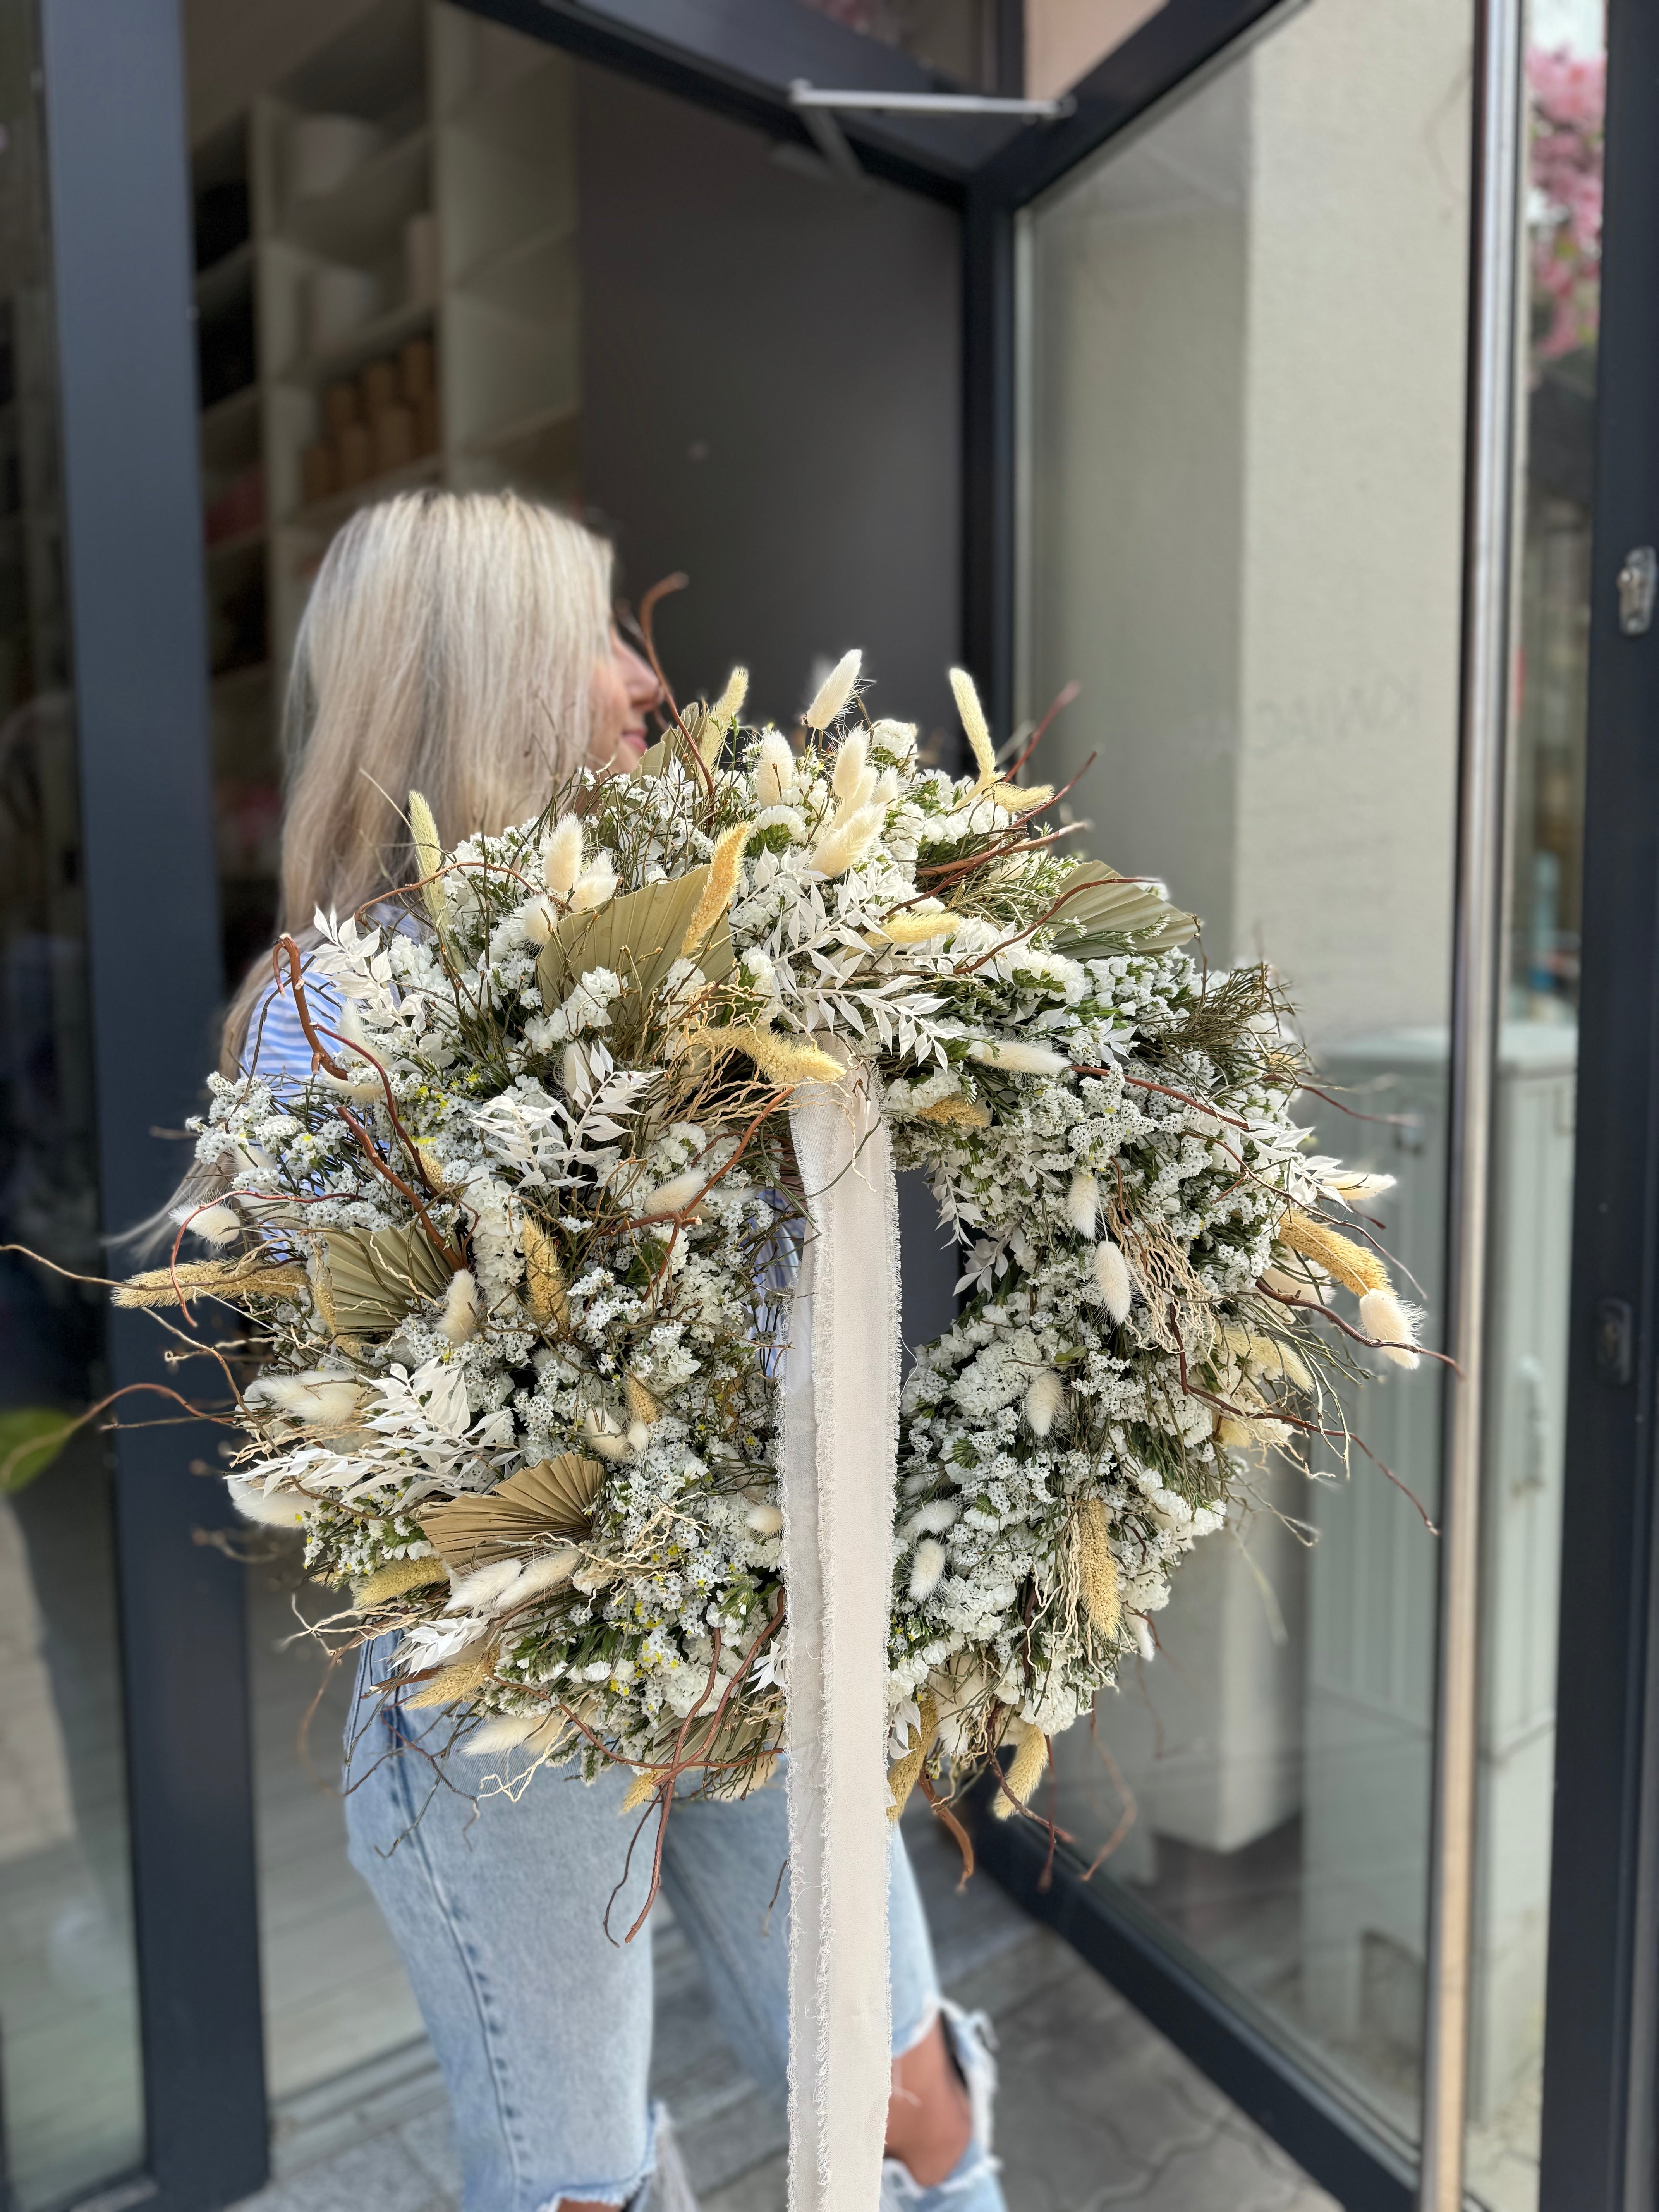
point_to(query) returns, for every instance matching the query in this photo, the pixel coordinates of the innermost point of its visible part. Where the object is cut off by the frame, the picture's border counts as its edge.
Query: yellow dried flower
(915, 928)
(717, 891)
(727, 708)
(641, 1406)
(393, 1579)
(428, 857)
(973, 720)
(1096, 1566)
(460, 1680)
(641, 1791)
(1030, 1756)
(904, 1773)
(543, 1278)
(784, 1059)
(956, 1111)
(1354, 1265)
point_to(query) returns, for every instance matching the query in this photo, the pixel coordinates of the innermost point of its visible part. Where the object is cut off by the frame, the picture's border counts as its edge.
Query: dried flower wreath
(516, 1249)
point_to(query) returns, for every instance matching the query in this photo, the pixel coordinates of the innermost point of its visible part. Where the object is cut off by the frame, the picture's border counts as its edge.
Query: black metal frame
(1600, 2065)
(113, 87)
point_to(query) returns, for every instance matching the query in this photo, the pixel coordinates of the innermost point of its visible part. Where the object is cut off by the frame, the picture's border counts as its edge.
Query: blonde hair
(448, 647)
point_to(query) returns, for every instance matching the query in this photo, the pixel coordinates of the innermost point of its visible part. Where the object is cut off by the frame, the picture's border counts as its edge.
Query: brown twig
(942, 1811)
(1063, 698)
(453, 1259)
(321, 1057)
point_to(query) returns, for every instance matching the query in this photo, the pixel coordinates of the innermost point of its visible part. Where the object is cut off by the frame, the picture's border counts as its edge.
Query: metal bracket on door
(1639, 586)
(817, 109)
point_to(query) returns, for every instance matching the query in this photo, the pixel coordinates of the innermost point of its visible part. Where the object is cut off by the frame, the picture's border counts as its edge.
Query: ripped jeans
(540, 2021)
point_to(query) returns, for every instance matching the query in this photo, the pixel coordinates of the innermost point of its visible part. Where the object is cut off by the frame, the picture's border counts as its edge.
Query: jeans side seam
(495, 2056)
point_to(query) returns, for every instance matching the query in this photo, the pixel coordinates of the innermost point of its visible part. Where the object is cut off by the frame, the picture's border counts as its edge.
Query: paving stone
(430, 2141)
(380, 2175)
(763, 2189)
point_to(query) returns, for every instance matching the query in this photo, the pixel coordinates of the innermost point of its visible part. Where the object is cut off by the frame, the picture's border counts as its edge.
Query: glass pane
(70, 2065)
(1244, 393)
(1532, 1162)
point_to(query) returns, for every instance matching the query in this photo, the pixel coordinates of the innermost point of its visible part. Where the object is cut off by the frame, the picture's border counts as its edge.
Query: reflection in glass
(1245, 400)
(70, 2055)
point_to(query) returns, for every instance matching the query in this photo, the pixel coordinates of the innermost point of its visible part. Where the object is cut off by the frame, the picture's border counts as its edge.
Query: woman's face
(624, 692)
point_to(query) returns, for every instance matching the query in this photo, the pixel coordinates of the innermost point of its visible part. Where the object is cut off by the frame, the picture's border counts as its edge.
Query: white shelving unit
(476, 156)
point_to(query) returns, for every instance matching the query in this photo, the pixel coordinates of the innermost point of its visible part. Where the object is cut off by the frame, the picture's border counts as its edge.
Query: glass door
(1244, 348)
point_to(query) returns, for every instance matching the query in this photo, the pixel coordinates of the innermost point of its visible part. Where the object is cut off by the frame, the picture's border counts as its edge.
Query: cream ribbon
(840, 1442)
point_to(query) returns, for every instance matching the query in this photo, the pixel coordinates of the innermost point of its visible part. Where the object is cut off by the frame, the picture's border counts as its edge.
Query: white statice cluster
(518, 1249)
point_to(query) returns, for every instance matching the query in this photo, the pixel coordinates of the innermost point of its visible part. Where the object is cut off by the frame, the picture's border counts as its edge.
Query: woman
(463, 646)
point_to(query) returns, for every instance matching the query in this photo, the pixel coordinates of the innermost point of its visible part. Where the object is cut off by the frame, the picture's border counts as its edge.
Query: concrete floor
(1095, 2110)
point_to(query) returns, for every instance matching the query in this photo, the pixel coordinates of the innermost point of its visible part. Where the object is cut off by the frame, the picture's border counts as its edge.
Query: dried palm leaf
(637, 937)
(367, 1280)
(555, 1498)
(1101, 906)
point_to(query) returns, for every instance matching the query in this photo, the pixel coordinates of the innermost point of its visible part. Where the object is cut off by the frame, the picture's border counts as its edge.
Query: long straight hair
(448, 647)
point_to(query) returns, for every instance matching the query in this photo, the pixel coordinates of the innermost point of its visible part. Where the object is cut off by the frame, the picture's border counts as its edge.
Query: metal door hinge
(1615, 1340)
(1638, 583)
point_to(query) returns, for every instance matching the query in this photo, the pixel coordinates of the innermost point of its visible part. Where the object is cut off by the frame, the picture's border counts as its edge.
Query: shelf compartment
(499, 370)
(362, 218)
(383, 335)
(534, 276)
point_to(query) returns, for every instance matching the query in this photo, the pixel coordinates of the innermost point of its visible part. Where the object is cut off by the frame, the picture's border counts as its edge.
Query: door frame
(1601, 2065)
(112, 86)
(112, 94)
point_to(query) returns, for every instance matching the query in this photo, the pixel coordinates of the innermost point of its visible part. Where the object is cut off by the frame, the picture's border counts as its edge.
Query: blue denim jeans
(541, 2020)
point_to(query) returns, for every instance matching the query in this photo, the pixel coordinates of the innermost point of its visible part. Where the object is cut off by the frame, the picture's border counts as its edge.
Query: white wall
(1245, 495)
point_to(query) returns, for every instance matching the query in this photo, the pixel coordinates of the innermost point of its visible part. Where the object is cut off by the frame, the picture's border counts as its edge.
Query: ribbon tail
(841, 1441)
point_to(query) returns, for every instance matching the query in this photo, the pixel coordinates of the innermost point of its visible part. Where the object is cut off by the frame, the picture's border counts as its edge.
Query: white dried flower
(279, 1510)
(562, 857)
(927, 1568)
(846, 844)
(539, 919)
(463, 1308)
(898, 739)
(1353, 1189)
(1391, 1322)
(849, 772)
(765, 1519)
(834, 692)
(1082, 1203)
(1112, 1280)
(594, 887)
(774, 771)
(1043, 1401)
(1018, 1059)
(674, 1197)
(213, 1225)
(501, 1732)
